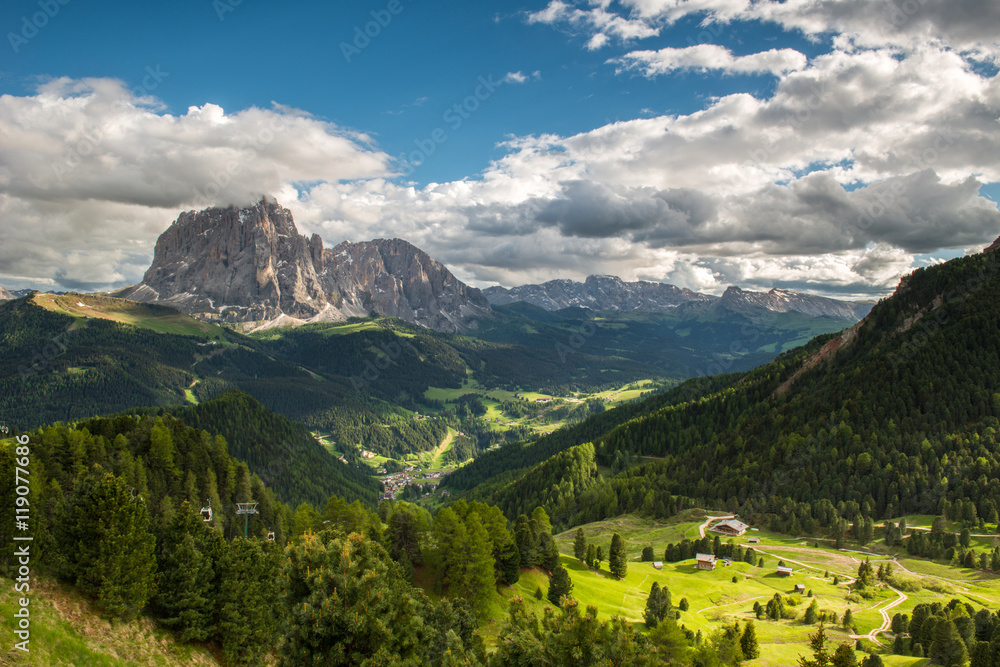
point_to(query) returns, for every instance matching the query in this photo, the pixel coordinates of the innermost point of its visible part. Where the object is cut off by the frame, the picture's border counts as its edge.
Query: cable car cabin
(206, 513)
(270, 536)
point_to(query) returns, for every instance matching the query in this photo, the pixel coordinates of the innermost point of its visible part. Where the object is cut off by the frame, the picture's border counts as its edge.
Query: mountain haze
(857, 417)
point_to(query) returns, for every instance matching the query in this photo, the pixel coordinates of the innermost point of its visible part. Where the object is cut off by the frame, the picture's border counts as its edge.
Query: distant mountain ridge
(6, 295)
(596, 293)
(610, 293)
(785, 301)
(252, 265)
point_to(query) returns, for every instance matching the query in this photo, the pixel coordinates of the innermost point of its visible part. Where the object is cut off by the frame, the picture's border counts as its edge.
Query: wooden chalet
(704, 561)
(731, 527)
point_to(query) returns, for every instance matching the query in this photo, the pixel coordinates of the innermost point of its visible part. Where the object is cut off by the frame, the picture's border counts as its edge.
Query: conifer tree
(478, 582)
(657, 605)
(249, 598)
(844, 656)
(947, 647)
(812, 613)
(580, 544)
(559, 585)
(540, 522)
(748, 641)
(186, 592)
(510, 563)
(107, 548)
(548, 552)
(525, 538)
(872, 660)
(617, 560)
(817, 642)
(347, 604)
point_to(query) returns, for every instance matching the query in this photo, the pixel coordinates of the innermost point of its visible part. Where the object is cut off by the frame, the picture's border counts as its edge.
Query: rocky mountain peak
(994, 247)
(250, 264)
(6, 295)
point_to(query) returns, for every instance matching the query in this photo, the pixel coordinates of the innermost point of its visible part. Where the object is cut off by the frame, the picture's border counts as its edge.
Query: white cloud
(98, 173)
(967, 25)
(705, 57)
(858, 160)
(515, 77)
(599, 22)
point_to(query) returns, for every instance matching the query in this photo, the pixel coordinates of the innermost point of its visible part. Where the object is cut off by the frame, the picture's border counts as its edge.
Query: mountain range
(251, 266)
(610, 293)
(865, 420)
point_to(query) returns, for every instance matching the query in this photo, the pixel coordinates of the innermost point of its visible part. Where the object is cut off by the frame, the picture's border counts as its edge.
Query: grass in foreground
(66, 629)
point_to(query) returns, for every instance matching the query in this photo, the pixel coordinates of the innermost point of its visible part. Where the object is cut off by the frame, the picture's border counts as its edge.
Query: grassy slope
(157, 318)
(714, 599)
(66, 629)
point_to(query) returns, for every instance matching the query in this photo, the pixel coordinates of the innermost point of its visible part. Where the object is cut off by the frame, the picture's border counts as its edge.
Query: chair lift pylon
(246, 509)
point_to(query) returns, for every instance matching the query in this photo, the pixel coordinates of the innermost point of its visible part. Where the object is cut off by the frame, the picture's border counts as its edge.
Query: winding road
(886, 619)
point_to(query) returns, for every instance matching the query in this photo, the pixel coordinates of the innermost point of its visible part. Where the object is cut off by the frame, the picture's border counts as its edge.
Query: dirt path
(886, 619)
(960, 585)
(718, 606)
(702, 527)
(927, 530)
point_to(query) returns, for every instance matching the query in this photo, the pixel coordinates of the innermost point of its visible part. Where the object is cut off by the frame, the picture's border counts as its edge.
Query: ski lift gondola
(270, 536)
(206, 512)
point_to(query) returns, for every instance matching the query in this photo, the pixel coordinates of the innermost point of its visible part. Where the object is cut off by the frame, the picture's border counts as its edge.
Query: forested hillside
(899, 415)
(282, 452)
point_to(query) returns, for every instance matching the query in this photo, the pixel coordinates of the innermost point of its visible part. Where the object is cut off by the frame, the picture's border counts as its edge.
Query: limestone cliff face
(251, 265)
(5, 295)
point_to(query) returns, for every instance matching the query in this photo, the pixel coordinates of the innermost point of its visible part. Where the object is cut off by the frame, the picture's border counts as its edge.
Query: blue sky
(398, 88)
(824, 146)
